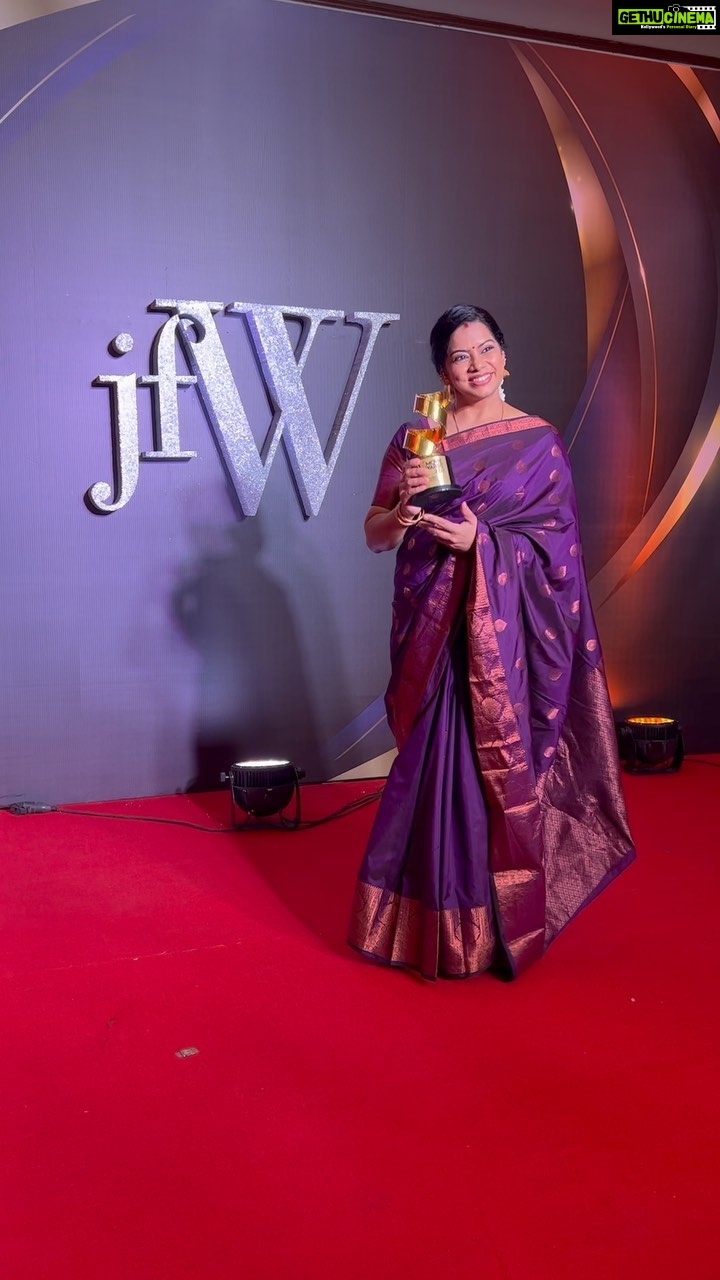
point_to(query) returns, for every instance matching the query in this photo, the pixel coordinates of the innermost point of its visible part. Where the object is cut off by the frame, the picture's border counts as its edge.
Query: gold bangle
(403, 520)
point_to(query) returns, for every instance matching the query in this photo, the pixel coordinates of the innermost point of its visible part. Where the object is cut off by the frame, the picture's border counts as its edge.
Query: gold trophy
(422, 442)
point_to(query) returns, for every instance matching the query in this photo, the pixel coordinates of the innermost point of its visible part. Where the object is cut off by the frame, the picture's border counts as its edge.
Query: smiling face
(474, 364)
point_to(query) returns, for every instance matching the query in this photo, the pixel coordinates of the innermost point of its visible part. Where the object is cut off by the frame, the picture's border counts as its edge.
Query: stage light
(650, 744)
(261, 789)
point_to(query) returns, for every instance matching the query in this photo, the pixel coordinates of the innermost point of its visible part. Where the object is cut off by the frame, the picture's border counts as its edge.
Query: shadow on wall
(253, 696)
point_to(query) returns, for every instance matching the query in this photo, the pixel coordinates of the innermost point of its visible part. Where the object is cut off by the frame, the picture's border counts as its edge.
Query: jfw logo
(192, 326)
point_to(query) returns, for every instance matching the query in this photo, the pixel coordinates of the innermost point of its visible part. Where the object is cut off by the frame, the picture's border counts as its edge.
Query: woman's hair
(444, 328)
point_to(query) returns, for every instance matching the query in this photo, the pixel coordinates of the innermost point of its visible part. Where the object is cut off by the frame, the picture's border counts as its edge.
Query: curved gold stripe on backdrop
(675, 502)
(14, 11)
(596, 246)
(696, 458)
(602, 258)
(601, 368)
(629, 243)
(694, 87)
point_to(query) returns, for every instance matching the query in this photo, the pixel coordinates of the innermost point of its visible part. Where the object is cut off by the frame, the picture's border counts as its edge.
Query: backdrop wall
(287, 157)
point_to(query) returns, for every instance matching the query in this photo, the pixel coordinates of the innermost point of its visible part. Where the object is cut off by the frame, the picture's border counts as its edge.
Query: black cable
(350, 807)
(131, 817)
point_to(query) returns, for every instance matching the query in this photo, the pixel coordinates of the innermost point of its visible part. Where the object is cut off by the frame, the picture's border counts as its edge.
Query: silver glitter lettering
(192, 324)
(164, 380)
(282, 371)
(225, 411)
(124, 417)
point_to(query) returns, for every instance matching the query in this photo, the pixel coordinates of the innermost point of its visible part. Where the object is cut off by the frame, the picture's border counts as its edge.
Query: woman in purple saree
(503, 814)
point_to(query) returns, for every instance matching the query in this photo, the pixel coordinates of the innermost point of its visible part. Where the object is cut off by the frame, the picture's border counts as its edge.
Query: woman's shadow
(252, 697)
(254, 701)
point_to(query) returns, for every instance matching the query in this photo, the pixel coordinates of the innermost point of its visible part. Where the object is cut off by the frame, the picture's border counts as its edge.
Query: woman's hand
(413, 480)
(456, 535)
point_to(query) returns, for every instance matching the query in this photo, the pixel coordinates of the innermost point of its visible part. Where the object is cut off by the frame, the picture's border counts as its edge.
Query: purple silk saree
(503, 814)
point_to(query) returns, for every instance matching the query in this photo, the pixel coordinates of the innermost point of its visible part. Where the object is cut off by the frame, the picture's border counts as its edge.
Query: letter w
(282, 370)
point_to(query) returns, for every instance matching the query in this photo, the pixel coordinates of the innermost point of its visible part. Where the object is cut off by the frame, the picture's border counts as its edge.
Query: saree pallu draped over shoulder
(503, 814)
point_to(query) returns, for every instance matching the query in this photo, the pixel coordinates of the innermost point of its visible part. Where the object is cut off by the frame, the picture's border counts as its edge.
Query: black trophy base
(436, 497)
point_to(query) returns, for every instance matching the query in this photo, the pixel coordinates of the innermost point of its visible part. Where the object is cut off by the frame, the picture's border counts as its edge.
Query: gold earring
(506, 373)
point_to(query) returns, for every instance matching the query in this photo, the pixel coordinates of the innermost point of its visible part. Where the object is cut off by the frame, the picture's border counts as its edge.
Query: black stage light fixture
(650, 744)
(261, 789)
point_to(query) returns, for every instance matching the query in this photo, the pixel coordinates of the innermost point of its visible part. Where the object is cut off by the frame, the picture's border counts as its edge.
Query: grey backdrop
(282, 155)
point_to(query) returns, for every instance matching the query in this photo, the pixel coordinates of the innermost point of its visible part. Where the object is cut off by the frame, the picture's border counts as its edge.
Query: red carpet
(339, 1119)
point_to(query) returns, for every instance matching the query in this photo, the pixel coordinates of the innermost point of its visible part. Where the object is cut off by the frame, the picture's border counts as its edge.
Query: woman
(503, 814)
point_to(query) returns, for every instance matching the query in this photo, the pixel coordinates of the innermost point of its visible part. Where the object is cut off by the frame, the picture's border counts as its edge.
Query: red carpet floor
(339, 1119)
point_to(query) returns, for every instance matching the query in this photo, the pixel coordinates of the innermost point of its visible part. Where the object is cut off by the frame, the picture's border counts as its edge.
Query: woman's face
(474, 363)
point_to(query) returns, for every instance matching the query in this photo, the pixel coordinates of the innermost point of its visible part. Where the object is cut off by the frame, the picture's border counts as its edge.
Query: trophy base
(439, 495)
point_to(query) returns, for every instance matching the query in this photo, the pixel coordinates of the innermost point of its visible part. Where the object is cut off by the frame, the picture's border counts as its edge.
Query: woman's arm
(385, 527)
(385, 530)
